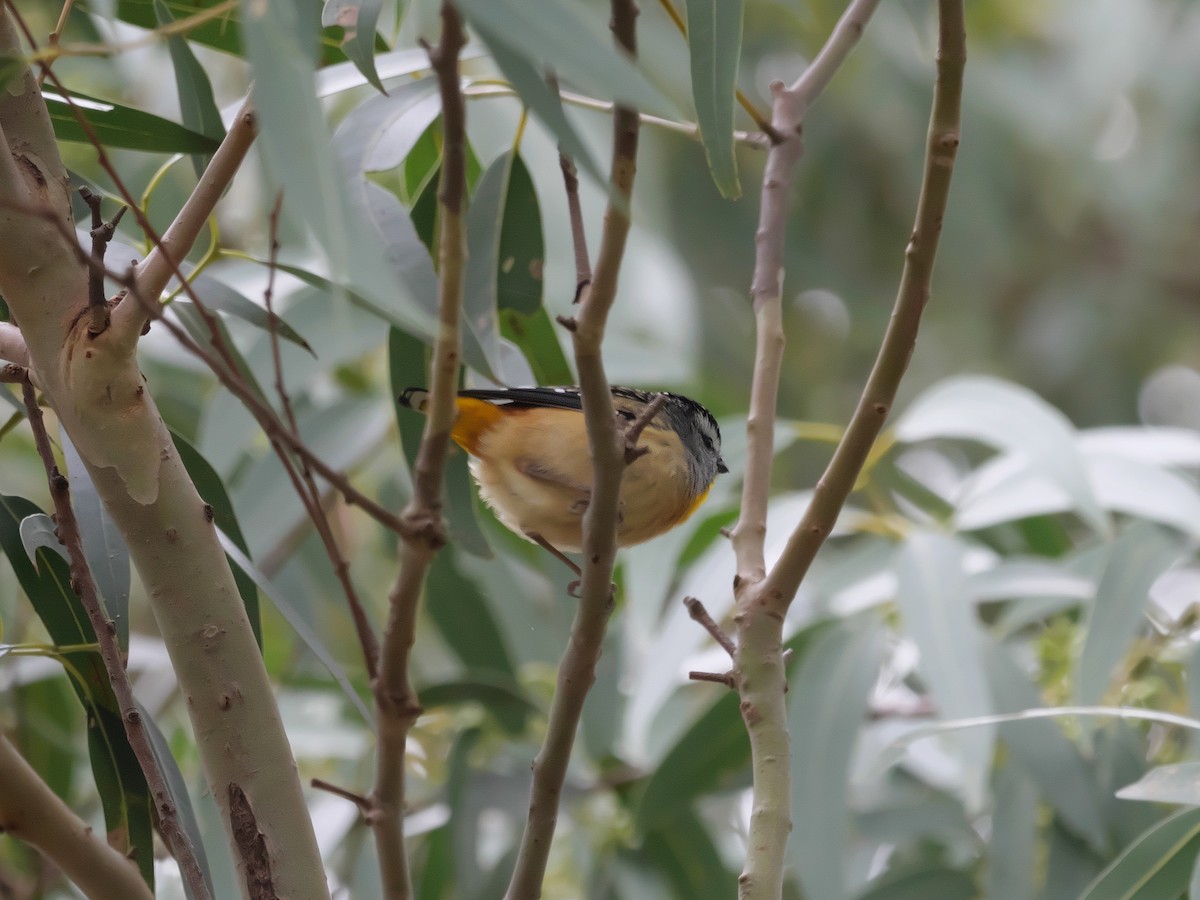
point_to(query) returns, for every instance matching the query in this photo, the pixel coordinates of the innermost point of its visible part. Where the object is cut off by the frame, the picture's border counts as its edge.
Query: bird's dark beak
(721, 467)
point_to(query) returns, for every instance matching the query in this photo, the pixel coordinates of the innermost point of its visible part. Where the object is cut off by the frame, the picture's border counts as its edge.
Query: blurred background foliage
(994, 560)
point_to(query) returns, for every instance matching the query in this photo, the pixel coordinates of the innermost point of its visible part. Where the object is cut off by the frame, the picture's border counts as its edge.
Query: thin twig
(633, 431)
(583, 267)
(395, 696)
(577, 671)
(85, 588)
(363, 804)
(697, 611)
(226, 373)
(303, 481)
(725, 678)
(102, 232)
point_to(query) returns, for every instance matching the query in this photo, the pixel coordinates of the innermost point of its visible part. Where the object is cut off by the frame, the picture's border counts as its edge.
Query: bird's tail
(414, 398)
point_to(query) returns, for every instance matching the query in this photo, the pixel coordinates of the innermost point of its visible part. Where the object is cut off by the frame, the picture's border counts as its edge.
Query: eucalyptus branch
(789, 104)
(688, 129)
(170, 250)
(395, 697)
(31, 811)
(67, 530)
(763, 598)
(577, 671)
(901, 336)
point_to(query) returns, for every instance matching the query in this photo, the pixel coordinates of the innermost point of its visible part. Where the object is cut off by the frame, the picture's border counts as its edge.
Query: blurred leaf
(294, 143)
(1012, 850)
(562, 37)
(1011, 418)
(1070, 865)
(712, 754)
(1178, 783)
(118, 776)
(1041, 750)
(715, 45)
(501, 697)
(198, 330)
(683, 850)
(217, 295)
(196, 105)
(177, 788)
(212, 491)
(358, 19)
(393, 64)
(1138, 557)
(922, 882)
(299, 625)
(932, 596)
(460, 611)
(1153, 446)
(222, 32)
(47, 720)
(485, 219)
(521, 252)
(380, 133)
(122, 126)
(535, 92)
(103, 546)
(1158, 864)
(827, 704)
(535, 336)
(1146, 491)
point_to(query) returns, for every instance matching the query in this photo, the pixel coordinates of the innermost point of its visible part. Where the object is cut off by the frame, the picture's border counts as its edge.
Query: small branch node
(699, 614)
(364, 804)
(567, 322)
(638, 425)
(725, 678)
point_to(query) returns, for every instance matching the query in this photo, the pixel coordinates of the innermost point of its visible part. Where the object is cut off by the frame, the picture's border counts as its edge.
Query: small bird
(530, 457)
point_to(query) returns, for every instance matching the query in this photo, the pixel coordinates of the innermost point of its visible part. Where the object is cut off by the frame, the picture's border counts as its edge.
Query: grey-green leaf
(715, 44)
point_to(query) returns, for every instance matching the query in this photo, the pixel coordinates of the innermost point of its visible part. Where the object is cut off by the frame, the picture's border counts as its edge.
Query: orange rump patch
(475, 417)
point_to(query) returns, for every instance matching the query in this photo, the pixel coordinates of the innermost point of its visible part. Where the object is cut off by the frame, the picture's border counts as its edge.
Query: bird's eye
(625, 414)
(708, 444)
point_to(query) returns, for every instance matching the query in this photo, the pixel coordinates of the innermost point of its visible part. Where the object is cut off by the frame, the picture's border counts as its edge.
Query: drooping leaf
(683, 850)
(124, 796)
(217, 295)
(357, 19)
(827, 703)
(197, 107)
(1011, 418)
(299, 625)
(1041, 750)
(1138, 557)
(1158, 864)
(564, 38)
(1176, 783)
(122, 126)
(939, 616)
(177, 788)
(295, 144)
(103, 546)
(715, 47)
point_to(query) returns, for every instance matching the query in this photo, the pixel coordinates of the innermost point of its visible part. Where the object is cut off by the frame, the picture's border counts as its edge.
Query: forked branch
(395, 697)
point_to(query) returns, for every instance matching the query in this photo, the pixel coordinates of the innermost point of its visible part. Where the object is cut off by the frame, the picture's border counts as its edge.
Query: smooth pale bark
(94, 386)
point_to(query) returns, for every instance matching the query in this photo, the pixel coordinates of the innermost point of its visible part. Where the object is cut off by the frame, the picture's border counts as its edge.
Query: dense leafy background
(1023, 540)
